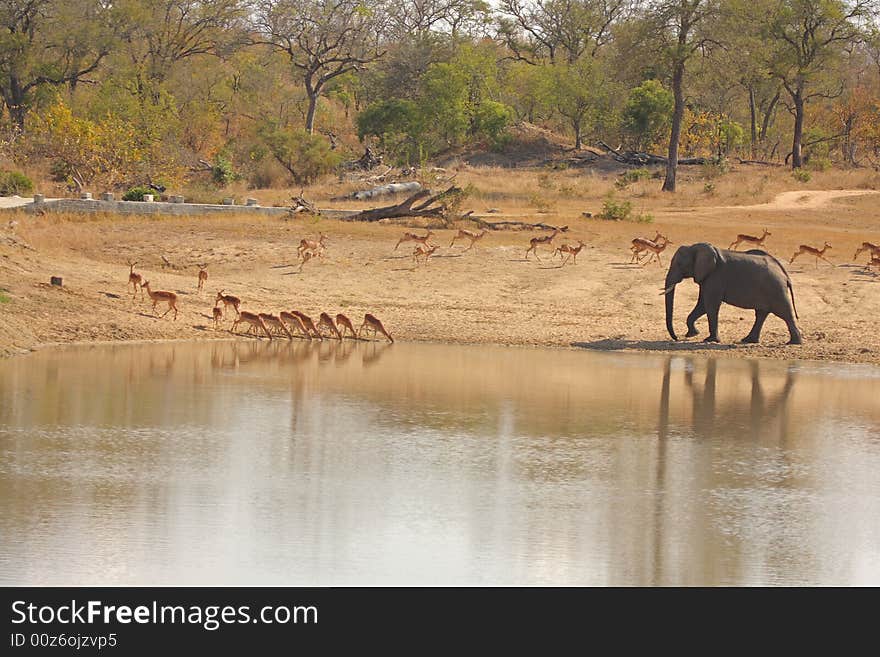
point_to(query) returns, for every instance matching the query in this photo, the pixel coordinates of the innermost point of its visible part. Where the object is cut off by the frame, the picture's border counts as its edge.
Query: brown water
(256, 463)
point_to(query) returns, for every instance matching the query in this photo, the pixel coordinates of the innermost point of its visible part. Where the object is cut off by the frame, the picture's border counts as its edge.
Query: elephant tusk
(667, 290)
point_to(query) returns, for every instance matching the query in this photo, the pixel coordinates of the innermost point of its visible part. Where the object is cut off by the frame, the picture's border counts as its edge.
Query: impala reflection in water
(370, 463)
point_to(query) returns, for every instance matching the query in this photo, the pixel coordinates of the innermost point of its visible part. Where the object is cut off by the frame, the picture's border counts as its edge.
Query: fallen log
(633, 157)
(381, 190)
(759, 162)
(498, 225)
(408, 207)
(301, 204)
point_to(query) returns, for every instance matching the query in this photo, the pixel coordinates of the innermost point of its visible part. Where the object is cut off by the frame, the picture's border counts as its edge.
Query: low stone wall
(93, 206)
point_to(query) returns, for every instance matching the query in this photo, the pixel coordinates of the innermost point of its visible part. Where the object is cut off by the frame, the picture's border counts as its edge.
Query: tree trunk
(576, 124)
(797, 159)
(15, 102)
(675, 135)
(768, 115)
(753, 116)
(310, 115)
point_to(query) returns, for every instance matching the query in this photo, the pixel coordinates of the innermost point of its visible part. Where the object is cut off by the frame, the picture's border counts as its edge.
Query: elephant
(751, 279)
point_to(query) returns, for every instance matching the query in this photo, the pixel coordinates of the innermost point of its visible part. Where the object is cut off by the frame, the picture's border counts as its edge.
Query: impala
(751, 239)
(413, 237)
(536, 241)
(370, 322)
(468, 235)
(813, 251)
(228, 300)
(160, 295)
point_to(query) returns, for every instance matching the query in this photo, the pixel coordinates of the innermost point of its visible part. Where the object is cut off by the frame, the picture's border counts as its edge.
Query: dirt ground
(490, 294)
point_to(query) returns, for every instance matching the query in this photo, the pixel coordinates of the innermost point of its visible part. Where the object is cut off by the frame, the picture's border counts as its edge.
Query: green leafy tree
(396, 124)
(647, 113)
(305, 156)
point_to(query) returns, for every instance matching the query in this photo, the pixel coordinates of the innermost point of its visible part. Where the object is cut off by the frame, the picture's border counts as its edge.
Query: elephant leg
(755, 334)
(713, 306)
(794, 333)
(698, 311)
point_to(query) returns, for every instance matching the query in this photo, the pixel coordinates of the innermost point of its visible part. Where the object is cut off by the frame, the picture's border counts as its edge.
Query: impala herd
(285, 324)
(294, 323)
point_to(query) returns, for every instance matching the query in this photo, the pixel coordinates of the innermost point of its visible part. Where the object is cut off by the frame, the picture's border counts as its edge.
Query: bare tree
(553, 29)
(416, 19)
(322, 38)
(159, 33)
(807, 37)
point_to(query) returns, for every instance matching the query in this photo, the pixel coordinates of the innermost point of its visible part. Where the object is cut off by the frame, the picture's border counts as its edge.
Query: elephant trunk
(671, 282)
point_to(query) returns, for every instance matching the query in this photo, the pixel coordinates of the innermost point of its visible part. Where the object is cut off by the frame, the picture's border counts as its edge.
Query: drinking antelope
(423, 251)
(468, 235)
(203, 276)
(313, 247)
(325, 320)
(228, 300)
(872, 249)
(412, 237)
(295, 322)
(275, 322)
(758, 241)
(308, 324)
(638, 245)
(812, 250)
(218, 316)
(535, 241)
(344, 323)
(160, 295)
(253, 320)
(135, 280)
(571, 251)
(370, 322)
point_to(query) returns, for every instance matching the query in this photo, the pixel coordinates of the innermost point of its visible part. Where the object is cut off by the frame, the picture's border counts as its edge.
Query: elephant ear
(708, 257)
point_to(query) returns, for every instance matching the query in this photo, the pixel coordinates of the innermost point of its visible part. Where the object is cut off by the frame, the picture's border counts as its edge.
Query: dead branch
(301, 204)
(382, 190)
(759, 162)
(408, 207)
(500, 225)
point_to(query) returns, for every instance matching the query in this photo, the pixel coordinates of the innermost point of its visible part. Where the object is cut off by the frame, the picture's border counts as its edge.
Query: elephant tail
(791, 292)
(787, 278)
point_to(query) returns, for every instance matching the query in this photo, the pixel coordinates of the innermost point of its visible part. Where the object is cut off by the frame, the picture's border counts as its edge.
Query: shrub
(802, 175)
(304, 156)
(819, 163)
(715, 168)
(4, 298)
(491, 119)
(632, 176)
(540, 203)
(60, 171)
(222, 172)
(15, 182)
(136, 193)
(614, 210)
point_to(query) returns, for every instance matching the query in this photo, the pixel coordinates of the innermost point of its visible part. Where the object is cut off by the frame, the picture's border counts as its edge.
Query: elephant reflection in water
(711, 411)
(763, 410)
